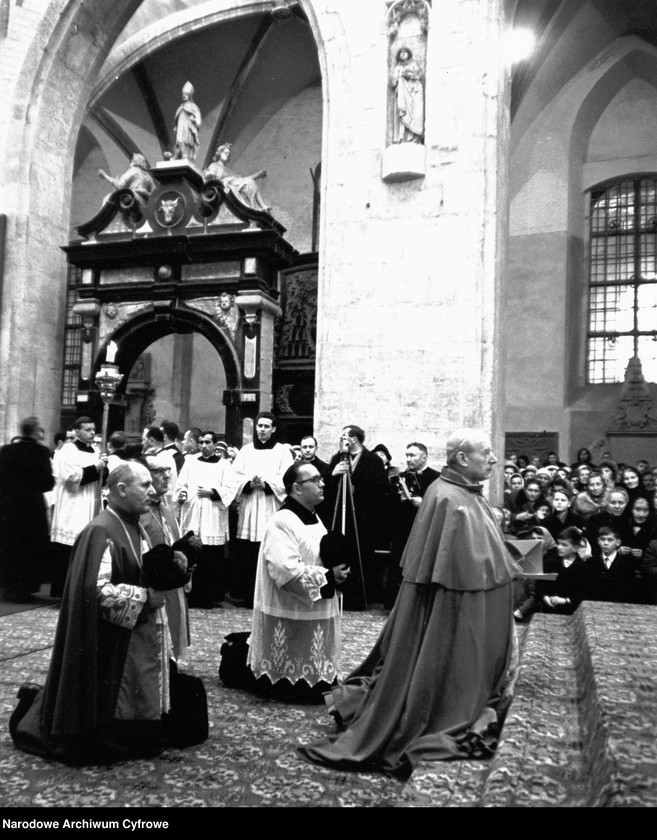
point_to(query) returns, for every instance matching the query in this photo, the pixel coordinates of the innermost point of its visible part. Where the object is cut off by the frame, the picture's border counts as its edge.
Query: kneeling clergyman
(107, 693)
(294, 647)
(439, 678)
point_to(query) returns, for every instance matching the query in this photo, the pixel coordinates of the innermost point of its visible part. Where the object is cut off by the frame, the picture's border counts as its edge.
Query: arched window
(622, 279)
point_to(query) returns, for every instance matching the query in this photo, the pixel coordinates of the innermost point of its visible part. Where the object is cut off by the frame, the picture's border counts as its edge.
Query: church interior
(498, 270)
(507, 240)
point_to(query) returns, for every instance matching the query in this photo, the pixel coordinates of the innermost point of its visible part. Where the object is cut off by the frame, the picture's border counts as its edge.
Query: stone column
(410, 271)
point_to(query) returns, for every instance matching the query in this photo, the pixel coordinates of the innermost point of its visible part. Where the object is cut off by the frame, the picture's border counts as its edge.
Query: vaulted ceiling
(570, 34)
(243, 70)
(246, 67)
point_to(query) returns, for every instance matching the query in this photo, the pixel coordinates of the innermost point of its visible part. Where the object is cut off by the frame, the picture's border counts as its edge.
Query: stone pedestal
(403, 162)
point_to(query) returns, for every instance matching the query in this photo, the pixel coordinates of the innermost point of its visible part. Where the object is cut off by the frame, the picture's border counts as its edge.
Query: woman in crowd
(391, 502)
(561, 516)
(542, 509)
(639, 529)
(559, 483)
(592, 498)
(630, 479)
(543, 475)
(528, 472)
(579, 476)
(552, 459)
(564, 474)
(523, 514)
(609, 472)
(512, 487)
(648, 484)
(642, 465)
(614, 513)
(384, 454)
(516, 482)
(583, 457)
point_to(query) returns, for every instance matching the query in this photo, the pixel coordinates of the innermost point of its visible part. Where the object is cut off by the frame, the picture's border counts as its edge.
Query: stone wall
(598, 127)
(408, 271)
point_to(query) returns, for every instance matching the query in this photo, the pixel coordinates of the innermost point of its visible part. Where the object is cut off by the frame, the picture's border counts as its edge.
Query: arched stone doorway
(136, 403)
(211, 270)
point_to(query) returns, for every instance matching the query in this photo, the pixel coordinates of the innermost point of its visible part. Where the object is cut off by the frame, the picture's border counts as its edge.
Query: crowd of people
(598, 526)
(262, 526)
(136, 536)
(226, 495)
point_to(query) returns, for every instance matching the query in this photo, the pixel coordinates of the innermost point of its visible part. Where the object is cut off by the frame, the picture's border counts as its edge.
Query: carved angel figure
(243, 188)
(136, 178)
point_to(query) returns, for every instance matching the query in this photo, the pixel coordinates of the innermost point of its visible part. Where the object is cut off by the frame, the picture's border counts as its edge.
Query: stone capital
(253, 302)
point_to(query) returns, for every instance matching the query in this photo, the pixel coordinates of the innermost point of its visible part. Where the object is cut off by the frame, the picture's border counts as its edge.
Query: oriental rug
(579, 733)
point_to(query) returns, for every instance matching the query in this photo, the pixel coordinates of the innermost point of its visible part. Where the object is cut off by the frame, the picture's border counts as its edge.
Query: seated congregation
(598, 527)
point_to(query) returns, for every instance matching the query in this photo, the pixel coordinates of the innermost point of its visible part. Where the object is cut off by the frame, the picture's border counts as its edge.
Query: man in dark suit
(25, 475)
(416, 479)
(355, 467)
(610, 575)
(308, 446)
(171, 433)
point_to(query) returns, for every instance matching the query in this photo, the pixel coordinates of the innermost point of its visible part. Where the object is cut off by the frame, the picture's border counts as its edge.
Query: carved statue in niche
(228, 315)
(635, 402)
(408, 83)
(244, 188)
(136, 178)
(187, 123)
(408, 24)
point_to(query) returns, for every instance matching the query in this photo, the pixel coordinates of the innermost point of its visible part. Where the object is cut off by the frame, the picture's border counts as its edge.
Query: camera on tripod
(344, 450)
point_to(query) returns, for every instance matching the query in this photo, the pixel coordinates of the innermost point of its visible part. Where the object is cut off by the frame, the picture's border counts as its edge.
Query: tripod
(344, 498)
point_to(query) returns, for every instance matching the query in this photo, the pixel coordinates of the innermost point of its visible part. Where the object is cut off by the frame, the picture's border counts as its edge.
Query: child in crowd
(611, 575)
(529, 591)
(567, 592)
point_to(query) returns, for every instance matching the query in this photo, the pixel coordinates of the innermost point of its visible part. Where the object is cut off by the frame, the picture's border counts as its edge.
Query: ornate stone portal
(187, 257)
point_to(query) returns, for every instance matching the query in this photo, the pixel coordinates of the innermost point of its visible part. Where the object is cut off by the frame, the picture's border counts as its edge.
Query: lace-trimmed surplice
(296, 632)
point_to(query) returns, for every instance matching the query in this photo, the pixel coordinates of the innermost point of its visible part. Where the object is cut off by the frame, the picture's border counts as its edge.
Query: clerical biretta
(438, 679)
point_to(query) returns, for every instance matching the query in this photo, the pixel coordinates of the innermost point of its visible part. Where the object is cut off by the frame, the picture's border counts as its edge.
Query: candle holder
(108, 380)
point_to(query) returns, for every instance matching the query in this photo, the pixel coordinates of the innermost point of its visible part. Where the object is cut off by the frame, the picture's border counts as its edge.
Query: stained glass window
(622, 318)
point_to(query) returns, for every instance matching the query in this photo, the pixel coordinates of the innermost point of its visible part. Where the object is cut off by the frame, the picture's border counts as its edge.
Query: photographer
(365, 502)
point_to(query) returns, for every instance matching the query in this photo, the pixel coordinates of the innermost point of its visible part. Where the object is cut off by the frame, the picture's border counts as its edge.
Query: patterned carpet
(249, 759)
(580, 731)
